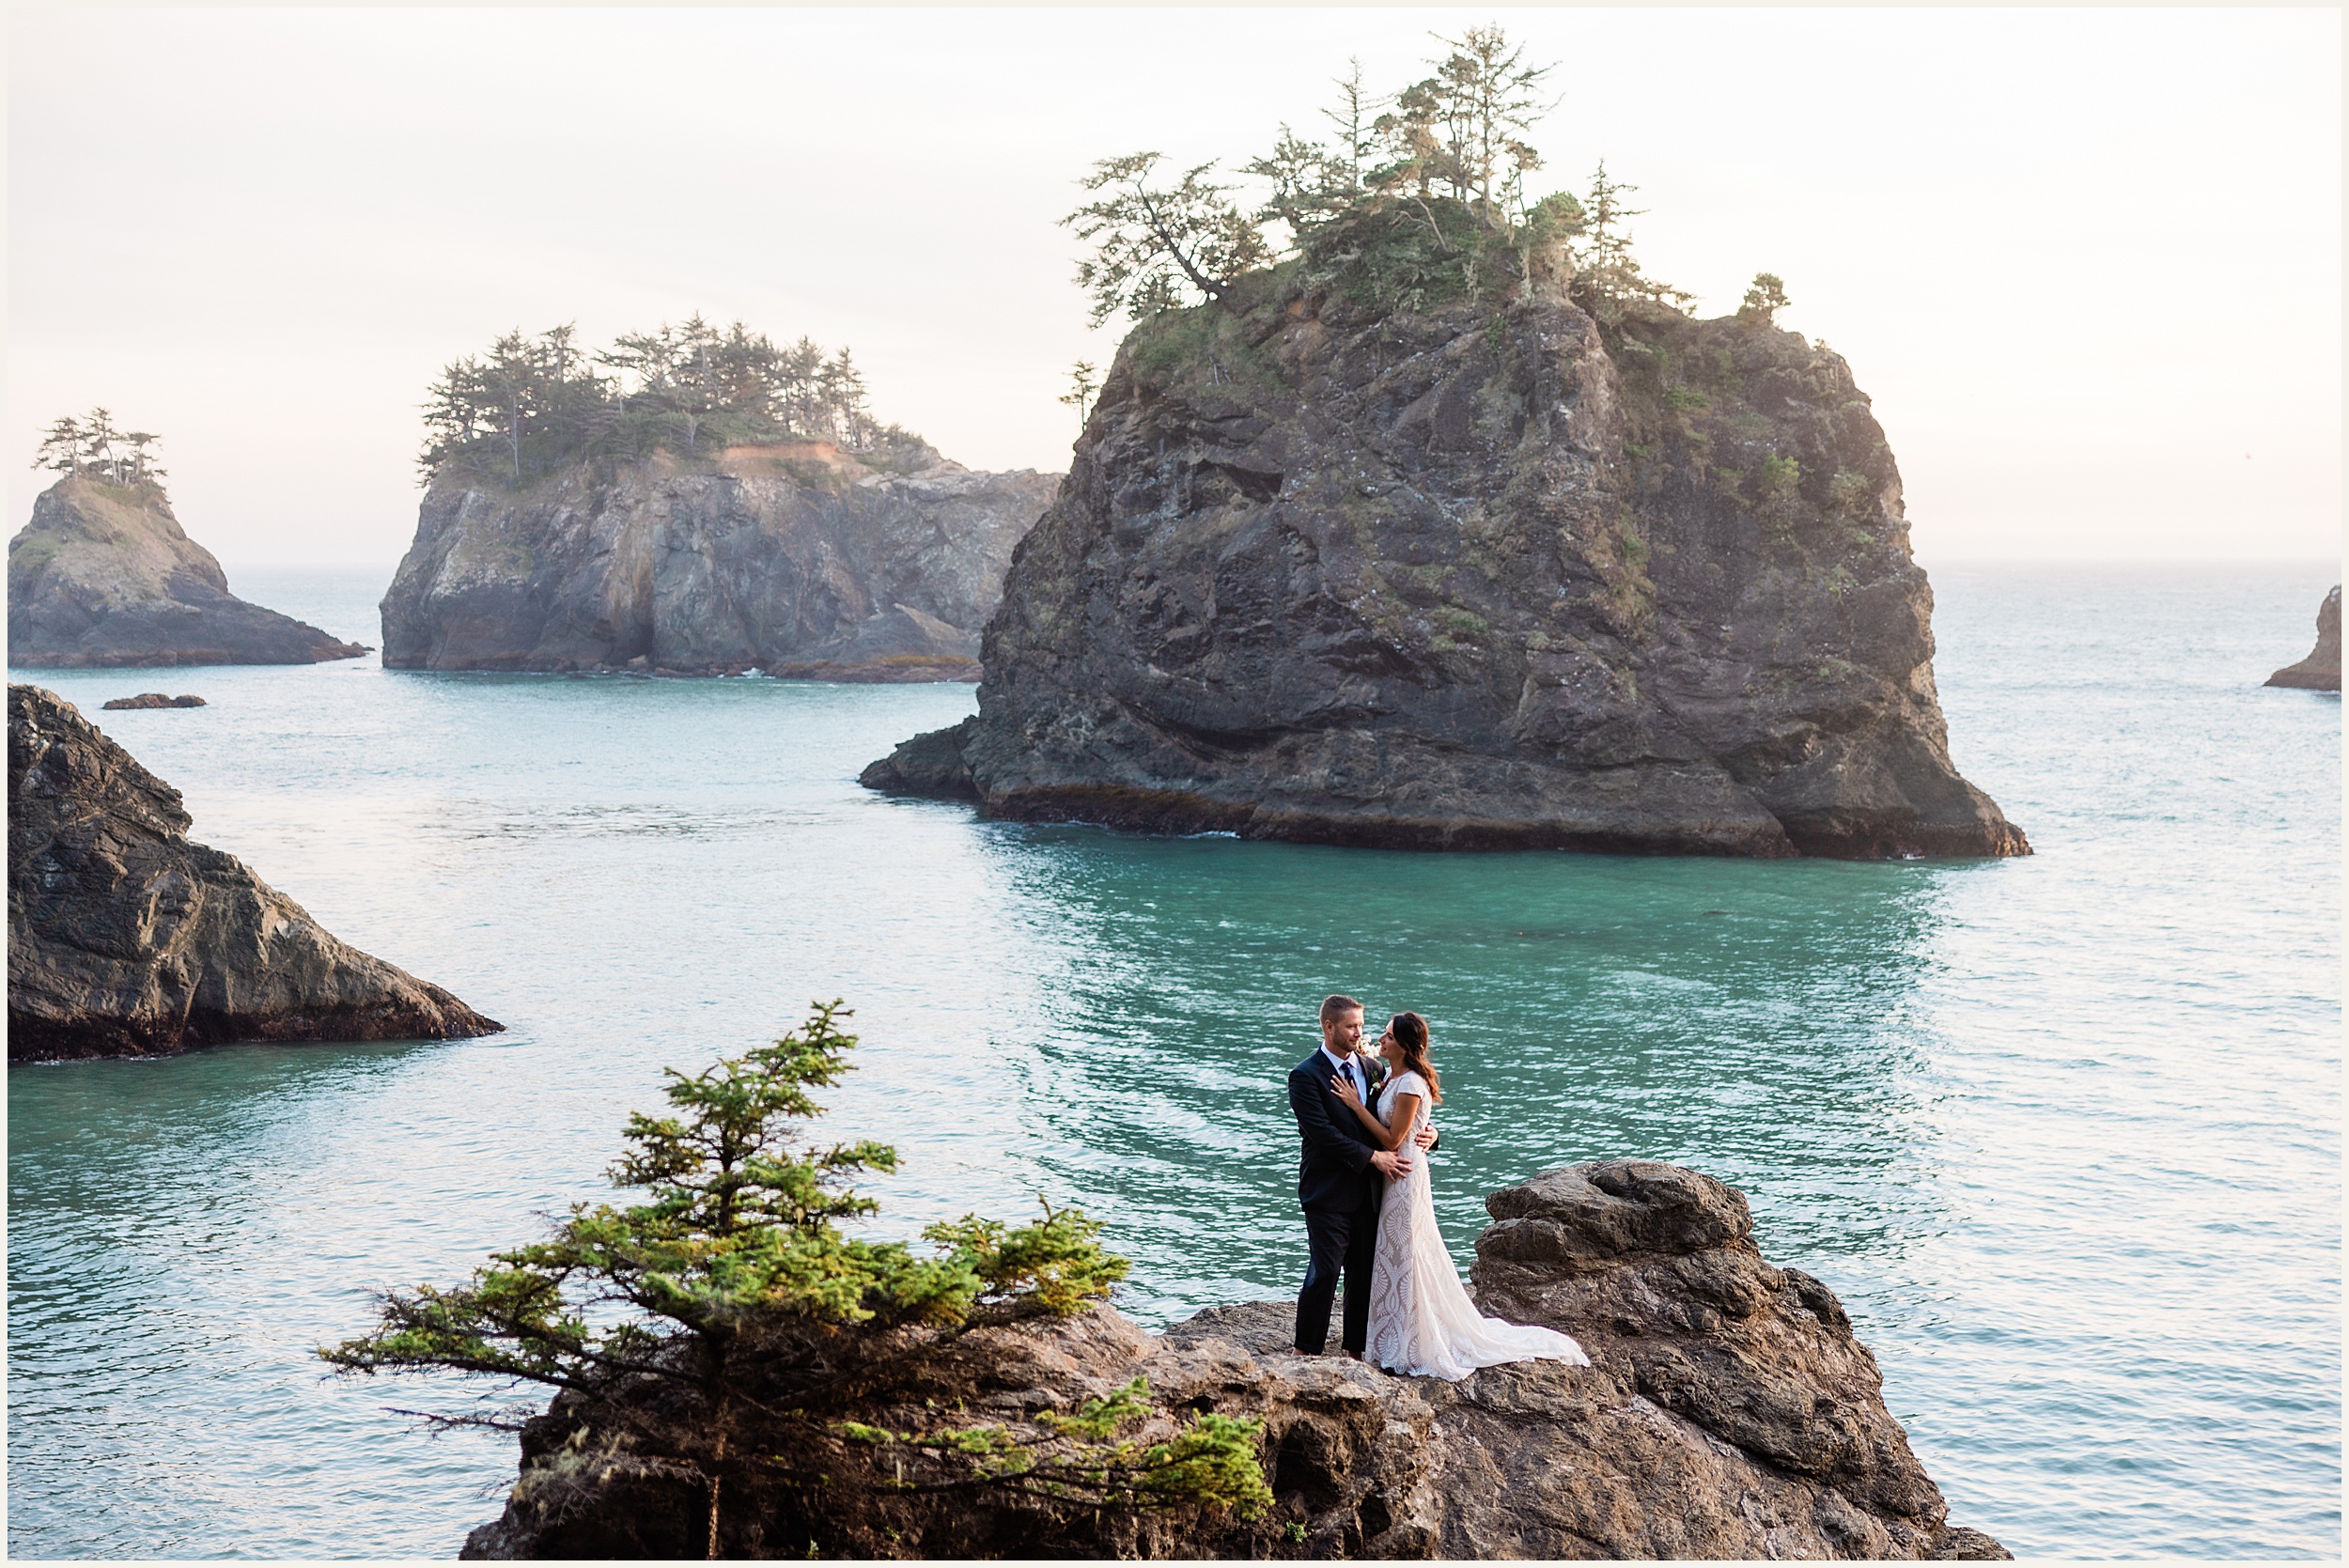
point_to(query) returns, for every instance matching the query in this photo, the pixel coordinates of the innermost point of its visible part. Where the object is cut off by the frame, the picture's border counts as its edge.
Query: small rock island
(1728, 1412)
(127, 939)
(104, 577)
(2321, 670)
(713, 506)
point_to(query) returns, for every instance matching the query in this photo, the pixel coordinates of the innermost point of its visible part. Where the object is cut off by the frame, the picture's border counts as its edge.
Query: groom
(1340, 1180)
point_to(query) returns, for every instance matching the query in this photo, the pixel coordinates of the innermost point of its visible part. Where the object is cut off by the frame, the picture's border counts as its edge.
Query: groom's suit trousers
(1337, 1242)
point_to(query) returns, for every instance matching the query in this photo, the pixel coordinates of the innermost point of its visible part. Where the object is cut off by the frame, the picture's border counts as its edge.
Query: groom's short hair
(1333, 1006)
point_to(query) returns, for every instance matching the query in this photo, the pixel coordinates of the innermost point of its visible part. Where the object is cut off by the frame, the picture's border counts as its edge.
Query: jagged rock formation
(795, 559)
(104, 577)
(151, 699)
(1728, 1412)
(126, 939)
(2321, 670)
(1484, 578)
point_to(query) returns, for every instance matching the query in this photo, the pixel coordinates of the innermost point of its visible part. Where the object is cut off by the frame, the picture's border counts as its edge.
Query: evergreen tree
(531, 404)
(1081, 384)
(1156, 243)
(720, 1326)
(1763, 299)
(1421, 197)
(61, 448)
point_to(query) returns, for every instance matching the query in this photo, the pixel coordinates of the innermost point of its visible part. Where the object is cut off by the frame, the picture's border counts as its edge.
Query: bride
(1421, 1319)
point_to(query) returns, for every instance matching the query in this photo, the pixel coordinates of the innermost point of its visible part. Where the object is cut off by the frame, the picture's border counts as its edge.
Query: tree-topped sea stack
(104, 575)
(695, 503)
(1453, 530)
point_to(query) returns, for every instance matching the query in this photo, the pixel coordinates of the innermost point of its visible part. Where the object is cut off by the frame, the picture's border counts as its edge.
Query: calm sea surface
(2063, 1132)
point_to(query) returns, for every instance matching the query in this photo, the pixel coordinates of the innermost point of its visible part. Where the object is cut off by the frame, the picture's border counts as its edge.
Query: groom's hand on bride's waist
(1425, 1136)
(1392, 1162)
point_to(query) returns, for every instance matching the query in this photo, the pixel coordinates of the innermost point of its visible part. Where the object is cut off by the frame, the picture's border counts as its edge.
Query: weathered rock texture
(103, 576)
(1478, 579)
(1728, 1412)
(798, 560)
(126, 939)
(2321, 670)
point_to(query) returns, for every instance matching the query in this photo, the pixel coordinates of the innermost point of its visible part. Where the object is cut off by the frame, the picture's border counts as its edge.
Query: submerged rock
(126, 939)
(1728, 1412)
(795, 558)
(104, 577)
(2321, 670)
(151, 699)
(1474, 579)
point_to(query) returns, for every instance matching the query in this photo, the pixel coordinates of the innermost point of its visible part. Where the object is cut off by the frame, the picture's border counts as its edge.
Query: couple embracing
(1369, 1213)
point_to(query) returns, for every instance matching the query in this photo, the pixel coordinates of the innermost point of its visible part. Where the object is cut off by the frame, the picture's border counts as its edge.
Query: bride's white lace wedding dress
(1421, 1321)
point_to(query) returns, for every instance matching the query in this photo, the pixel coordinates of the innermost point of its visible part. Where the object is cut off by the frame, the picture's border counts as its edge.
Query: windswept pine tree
(1421, 197)
(91, 446)
(529, 405)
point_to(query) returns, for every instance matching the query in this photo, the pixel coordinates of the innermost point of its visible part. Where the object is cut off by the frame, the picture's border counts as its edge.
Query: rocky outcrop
(797, 559)
(126, 939)
(1728, 1412)
(2321, 670)
(151, 699)
(1484, 578)
(104, 577)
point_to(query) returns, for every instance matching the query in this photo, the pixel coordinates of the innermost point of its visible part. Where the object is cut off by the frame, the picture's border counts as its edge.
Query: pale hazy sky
(2087, 262)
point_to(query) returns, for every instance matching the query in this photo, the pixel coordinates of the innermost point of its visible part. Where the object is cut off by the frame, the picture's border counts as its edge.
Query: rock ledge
(1728, 1412)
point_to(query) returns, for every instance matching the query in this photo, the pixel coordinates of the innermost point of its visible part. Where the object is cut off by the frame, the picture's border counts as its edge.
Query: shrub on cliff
(723, 1329)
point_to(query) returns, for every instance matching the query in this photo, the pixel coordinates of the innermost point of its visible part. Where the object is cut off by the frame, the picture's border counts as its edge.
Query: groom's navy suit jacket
(1335, 1172)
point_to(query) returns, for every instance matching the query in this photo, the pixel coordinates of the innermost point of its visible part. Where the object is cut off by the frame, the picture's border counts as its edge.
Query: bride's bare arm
(1406, 1109)
(1406, 1112)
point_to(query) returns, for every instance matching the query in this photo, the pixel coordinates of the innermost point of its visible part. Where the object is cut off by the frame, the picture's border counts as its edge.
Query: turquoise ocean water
(2063, 1132)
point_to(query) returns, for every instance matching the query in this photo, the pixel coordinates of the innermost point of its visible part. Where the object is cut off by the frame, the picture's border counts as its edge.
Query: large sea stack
(795, 558)
(1728, 1412)
(126, 939)
(103, 576)
(1487, 576)
(2321, 670)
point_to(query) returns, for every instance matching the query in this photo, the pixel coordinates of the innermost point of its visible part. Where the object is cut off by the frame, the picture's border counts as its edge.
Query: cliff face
(1482, 577)
(1728, 1412)
(126, 939)
(798, 560)
(2321, 670)
(104, 575)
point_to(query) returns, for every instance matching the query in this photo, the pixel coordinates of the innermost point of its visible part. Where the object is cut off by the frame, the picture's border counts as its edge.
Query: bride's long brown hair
(1411, 1032)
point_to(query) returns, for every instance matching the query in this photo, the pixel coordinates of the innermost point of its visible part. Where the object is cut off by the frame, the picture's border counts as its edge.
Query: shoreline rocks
(103, 577)
(127, 939)
(1476, 579)
(794, 558)
(2321, 670)
(1728, 1412)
